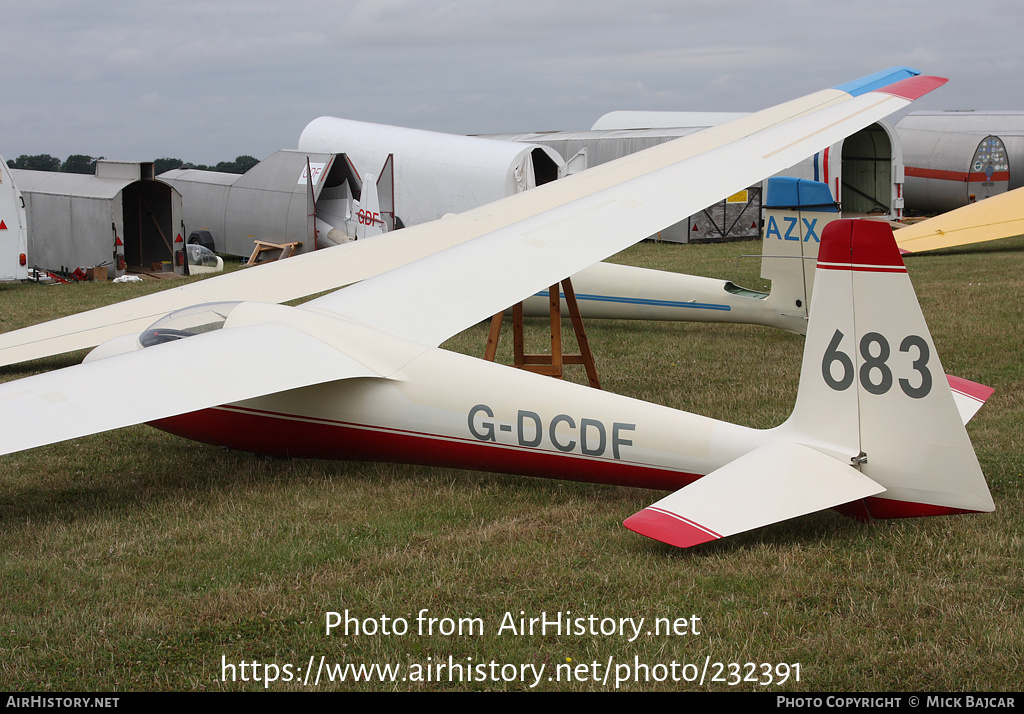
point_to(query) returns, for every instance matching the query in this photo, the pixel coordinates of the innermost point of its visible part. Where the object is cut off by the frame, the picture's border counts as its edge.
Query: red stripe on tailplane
(913, 87)
(864, 245)
(669, 528)
(862, 268)
(971, 389)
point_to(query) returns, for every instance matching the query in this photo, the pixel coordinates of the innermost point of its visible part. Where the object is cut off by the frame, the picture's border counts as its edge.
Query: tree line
(83, 164)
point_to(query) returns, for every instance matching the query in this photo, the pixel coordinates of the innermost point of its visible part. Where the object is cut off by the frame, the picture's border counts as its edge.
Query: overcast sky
(208, 81)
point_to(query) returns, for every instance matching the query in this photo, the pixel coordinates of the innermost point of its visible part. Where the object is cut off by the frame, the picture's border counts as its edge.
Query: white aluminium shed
(271, 202)
(120, 217)
(864, 172)
(737, 217)
(435, 173)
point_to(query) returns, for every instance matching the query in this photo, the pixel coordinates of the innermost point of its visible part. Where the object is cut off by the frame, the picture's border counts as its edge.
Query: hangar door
(148, 230)
(867, 172)
(544, 168)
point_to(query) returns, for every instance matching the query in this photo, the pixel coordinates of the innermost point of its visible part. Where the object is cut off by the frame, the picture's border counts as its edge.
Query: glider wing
(272, 349)
(997, 217)
(537, 238)
(735, 154)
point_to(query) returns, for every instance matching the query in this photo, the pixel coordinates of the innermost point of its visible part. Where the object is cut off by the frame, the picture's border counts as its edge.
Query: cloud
(210, 81)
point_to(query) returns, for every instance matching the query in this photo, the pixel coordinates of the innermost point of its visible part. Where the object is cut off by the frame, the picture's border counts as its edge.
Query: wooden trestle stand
(549, 364)
(263, 246)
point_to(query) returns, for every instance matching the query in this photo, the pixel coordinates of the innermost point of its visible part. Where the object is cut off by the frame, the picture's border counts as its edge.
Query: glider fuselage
(451, 410)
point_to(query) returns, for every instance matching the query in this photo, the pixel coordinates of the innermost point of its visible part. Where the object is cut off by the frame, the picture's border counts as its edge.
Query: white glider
(875, 424)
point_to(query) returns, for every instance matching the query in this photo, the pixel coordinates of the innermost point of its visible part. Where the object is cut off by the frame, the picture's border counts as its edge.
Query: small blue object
(877, 80)
(807, 195)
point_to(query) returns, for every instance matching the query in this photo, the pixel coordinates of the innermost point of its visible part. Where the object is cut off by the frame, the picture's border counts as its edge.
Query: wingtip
(878, 80)
(904, 82)
(669, 528)
(913, 87)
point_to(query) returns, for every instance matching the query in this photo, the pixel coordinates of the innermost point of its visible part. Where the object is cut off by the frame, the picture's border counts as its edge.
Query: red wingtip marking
(904, 251)
(860, 243)
(668, 529)
(913, 87)
(971, 389)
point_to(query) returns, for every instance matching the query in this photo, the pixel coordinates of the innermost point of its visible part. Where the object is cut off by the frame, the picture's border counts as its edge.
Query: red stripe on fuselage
(296, 436)
(875, 507)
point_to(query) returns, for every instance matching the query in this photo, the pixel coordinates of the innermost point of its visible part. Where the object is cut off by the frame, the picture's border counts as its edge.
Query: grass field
(135, 560)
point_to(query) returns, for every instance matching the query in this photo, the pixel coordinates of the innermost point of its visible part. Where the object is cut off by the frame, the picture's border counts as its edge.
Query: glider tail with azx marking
(875, 432)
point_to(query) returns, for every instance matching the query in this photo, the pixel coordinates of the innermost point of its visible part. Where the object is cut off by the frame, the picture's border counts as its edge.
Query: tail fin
(872, 386)
(370, 221)
(875, 432)
(796, 213)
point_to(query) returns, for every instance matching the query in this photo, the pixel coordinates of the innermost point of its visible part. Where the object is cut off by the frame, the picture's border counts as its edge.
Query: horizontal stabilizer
(969, 396)
(772, 483)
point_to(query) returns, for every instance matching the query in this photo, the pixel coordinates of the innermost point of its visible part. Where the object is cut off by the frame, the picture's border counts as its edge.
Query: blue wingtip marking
(877, 80)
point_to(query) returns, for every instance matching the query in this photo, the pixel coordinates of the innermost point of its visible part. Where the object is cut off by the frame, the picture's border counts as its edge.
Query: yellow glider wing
(997, 217)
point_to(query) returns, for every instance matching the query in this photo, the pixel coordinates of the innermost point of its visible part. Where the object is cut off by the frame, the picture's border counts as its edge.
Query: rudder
(872, 388)
(796, 213)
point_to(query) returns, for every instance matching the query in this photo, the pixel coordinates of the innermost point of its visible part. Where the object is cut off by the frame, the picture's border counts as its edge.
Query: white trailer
(1007, 125)
(436, 173)
(13, 228)
(307, 198)
(865, 172)
(120, 217)
(947, 170)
